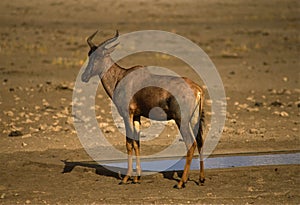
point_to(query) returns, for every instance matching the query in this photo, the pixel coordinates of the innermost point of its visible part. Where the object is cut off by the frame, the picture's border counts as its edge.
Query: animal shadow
(117, 173)
(99, 169)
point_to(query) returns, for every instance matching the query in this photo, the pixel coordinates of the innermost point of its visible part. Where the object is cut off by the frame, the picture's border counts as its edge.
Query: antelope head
(99, 57)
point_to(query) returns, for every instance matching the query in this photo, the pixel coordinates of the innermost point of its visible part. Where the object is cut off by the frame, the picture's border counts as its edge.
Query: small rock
(55, 123)
(288, 92)
(64, 86)
(258, 104)
(240, 131)
(285, 79)
(65, 111)
(26, 136)
(43, 127)
(233, 121)
(243, 106)
(250, 98)
(57, 128)
(69, 121)
(249, 109)
(226, 54)
(28, 121)
(276, 103)
(33, 129)
(250, 189)
(284, 114)
(9, 113)
(103, 124)
(45, 103)
(109, 129)
(209, 194)
(15, 133)
(2, 196)
(60, 115)
(254, 131)
(24, 144)
(27, 202)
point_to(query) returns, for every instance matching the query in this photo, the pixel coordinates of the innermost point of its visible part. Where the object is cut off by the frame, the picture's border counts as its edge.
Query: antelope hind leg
(189, 157)
(136, 147)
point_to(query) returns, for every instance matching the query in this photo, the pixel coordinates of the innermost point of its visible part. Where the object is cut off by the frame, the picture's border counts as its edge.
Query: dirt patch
(254, 46)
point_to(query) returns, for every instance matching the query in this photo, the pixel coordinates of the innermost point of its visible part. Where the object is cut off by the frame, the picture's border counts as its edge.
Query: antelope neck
(111, 77)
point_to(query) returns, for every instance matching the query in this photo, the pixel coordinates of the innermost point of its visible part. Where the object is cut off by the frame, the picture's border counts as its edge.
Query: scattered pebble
(255, 109)
(243, 106)
(43, 127)
(258, 104)
(254, 131)
(250, 189)
(9, 113)
(285, 79)
(250, 98)
(26, 136)
(282, 114)
(24, 144)
(109, 129)
(57, 128)
(233, 121)
(257, 131)
(276, 103)
(69, 121)
(33, 129)
(103, 124)
(45, 103)
(64, 86)
(280, 92)
(226, 54)
(240, 131)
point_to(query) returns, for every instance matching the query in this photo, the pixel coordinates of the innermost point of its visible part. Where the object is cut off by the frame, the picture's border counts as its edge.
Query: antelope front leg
(129, 146)
(136, 147)
(189, 157)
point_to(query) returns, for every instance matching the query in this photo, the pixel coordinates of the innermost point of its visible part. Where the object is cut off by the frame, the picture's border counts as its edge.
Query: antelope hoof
(122, 183)
(125, 180)
(201, 181)
(137, 180)
(180, 185)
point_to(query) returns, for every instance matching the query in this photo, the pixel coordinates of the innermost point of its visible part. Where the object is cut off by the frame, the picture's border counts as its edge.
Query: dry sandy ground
(254, 45)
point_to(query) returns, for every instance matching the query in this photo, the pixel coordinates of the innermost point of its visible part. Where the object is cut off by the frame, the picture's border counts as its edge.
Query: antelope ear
(111, 49)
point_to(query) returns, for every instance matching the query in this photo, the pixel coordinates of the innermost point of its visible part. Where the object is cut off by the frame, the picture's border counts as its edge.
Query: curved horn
(108, 41)
(90, 38)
